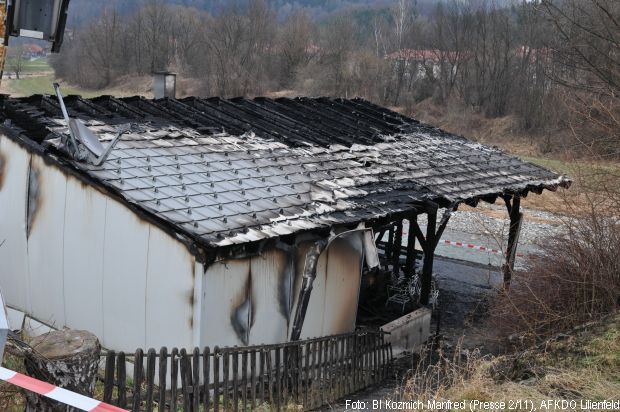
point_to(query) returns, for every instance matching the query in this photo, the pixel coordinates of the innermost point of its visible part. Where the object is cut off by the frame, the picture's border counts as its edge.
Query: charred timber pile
(66, 358)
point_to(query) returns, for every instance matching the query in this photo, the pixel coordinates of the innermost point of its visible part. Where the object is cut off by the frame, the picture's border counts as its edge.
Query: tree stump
(66, 358)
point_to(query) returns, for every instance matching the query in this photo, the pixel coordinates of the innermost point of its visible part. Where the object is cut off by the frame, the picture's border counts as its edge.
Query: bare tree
(101, 45)
(16, 59)
(158, 44)
(238, 41)
(451, 29)
(402, 16)
(335, 55)
(296, 45)
(186, 33)
(587, 43)
(586, 50)
(379, 26)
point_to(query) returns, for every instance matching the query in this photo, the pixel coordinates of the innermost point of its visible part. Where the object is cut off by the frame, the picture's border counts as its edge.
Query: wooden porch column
(411, 255)
(429, 254)
(389, 247)
(516, 217)
(396, 249)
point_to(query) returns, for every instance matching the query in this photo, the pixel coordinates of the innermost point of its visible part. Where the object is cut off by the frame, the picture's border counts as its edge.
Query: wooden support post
(411, 255)
(429, 254)
(513, 237)
(390, 244)
(396, 249)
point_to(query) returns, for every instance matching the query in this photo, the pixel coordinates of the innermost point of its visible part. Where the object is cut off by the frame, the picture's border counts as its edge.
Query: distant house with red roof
(34, 51)
(422, 63)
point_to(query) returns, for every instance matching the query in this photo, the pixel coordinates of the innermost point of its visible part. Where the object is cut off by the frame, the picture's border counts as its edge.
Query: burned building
(197, 222)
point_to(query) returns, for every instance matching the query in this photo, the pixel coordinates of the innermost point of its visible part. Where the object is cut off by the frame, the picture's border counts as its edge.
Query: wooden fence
(304, 374)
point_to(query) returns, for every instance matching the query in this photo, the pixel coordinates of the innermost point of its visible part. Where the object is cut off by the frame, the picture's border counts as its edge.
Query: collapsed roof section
(229, 172)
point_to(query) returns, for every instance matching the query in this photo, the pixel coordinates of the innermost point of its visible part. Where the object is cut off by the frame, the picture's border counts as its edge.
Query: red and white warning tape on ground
(58, 394)
(474, 247)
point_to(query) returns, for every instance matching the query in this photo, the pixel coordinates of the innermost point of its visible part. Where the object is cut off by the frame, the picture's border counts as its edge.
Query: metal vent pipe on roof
(164, 85)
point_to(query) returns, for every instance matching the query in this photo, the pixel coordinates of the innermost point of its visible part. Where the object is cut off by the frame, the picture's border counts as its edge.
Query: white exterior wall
(253, 300)
(88, 262)
(14, 279)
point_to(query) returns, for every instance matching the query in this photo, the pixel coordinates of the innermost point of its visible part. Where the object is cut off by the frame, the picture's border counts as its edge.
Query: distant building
(417, 64)
(33, 51)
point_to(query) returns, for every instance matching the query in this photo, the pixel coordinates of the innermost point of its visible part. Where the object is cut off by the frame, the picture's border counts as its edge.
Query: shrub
(575, 279)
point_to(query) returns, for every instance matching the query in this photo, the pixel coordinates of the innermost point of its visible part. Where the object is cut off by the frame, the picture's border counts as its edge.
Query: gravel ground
(487, 226)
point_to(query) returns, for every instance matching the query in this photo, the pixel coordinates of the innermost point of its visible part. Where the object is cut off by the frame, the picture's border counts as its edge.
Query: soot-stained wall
(252, 300)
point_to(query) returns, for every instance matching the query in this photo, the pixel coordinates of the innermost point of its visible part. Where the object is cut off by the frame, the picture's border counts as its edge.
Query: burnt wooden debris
(307, 374)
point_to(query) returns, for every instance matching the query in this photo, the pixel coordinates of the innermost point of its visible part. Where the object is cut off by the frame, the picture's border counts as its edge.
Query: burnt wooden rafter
(507, 201)
(390, 245)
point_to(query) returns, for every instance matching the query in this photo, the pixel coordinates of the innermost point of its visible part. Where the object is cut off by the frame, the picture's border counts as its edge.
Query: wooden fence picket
(310, 373)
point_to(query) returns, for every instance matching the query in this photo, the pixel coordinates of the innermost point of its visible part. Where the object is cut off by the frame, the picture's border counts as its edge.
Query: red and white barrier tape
(58, 394)
(470, 246)
(474, 247)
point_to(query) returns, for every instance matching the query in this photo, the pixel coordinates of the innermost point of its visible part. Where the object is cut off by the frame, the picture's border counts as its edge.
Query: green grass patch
(603, 351)
(36, 66)
(28, 67)
(553, 164)
(43, 85)
(567, 167)
(593, 175)
(596, 349)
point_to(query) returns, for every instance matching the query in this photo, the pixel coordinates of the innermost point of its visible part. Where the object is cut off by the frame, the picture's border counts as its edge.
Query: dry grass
(576, 278)
(12, 398)
(505, 132)
(582, 365)
(596, 187)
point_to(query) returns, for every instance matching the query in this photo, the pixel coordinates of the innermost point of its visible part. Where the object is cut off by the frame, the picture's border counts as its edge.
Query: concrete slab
(408, 333)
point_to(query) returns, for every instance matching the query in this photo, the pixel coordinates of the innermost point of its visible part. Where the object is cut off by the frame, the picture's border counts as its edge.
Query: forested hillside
(83, 10)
